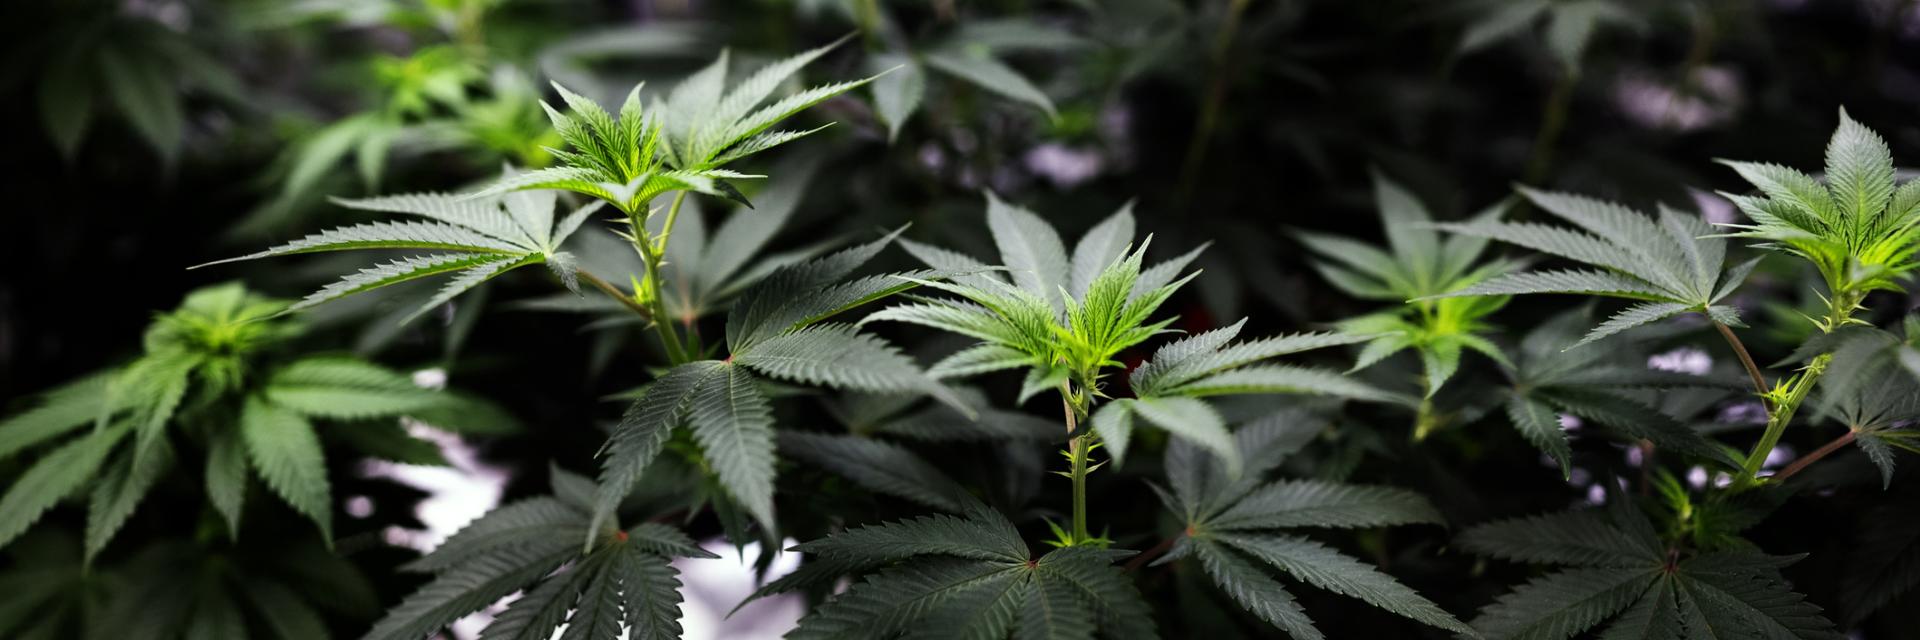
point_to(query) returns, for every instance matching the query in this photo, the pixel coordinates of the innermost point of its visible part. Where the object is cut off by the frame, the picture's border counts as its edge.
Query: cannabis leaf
(1603, 386)
(680, 145)
(708, 126)
(1066, 318)
(202, 365)
(776, 330)
(1232, 523)
(1869, 390)
(1169, 386)
(113, 63)
(971, 573)
(1570, 25)
(479, 239)
(1417, 266)
(1619, 570)
(879, 466)
(1669, 267)
(974, 54)
(1858, 229)
(624, 580)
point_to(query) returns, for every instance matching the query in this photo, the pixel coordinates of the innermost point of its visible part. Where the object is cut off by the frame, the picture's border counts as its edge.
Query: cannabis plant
(1063, 319)
(215, 376)
(1234, 526)
(1620, 575)
(623, 582)
(1416, 266)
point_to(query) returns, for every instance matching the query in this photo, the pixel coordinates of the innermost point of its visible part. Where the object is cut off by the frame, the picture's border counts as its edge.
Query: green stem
(1074, 411)
(652, 256)
(1840, 310)
(1783, 411)
(1553, 119)
(1824, 451)
(1746, 359)
(615, 293)
(1080, 490)
(1216, 97)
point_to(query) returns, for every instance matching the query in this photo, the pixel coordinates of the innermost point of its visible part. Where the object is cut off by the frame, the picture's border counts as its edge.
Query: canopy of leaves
(1859, 228)
(203, 369)
(1416, 265)
(679, 145)
(475, 239)
(776, 331)
(624, 581)
(1669, 266)
(1612, 388)
(1233, 527)
(1619, 574)
(971, 573)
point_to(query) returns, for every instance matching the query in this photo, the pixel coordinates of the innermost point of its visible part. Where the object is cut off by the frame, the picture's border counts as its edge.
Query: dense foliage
(1112, 319)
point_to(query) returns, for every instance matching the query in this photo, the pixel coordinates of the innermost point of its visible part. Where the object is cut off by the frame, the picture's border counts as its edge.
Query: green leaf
(1089, 573)
(1859, 169)
(526, 523)
(1104, 244)
(1742, 595)
(733, 423)
(879, 466)
(54, 477)
(1562, 604)
(1312, 503)
(284, 450)
(597, 615)
(982, 535)
(145, 96)
(1030, 249)
(535, 615)
(897, 94)
(345, 389)
(1540, 425)
(650, 595)
(1321, 566)
(1254, 590)
(57, 412)
(643, 432)
(469, 587)
(1582, 537)
(1195, 421)
(834, 355)
(121, 490)
(227, 477)
(893, 600)
(1634, 316)
(1114, 424)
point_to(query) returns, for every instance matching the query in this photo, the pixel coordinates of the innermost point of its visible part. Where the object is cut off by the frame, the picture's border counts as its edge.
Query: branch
(1746, 360)
(615, 293)
(1822, 452)
(1148, 555)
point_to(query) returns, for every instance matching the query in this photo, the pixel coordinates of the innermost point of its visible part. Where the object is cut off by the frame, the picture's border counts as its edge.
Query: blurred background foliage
(144, 136)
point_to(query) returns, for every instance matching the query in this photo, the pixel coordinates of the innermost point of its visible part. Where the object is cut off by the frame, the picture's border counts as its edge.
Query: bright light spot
(435, 378)
(359, 506)
(1687, 360)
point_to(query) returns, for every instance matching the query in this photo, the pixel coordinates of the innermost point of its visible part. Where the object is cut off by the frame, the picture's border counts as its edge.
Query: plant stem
(1797, 391)
(1216, 97)
(615, 293)
(1080, 490)
(1840, 308)
(1553, 119)
(1824, 451)
(1148, 555)
(651, 257)
(1078, 448)
(1746, 359)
